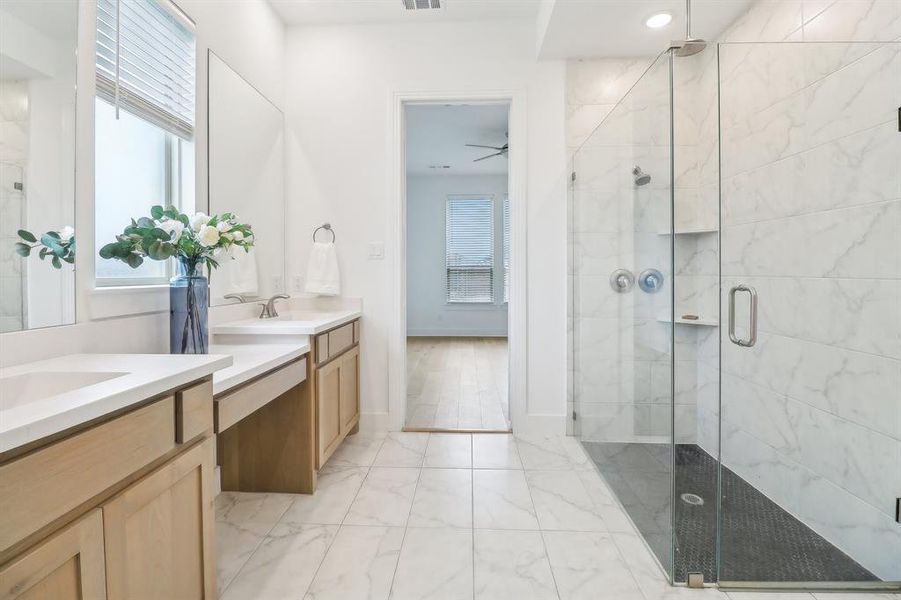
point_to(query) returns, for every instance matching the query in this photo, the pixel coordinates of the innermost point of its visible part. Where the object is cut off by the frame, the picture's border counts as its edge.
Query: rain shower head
(689, 46)
(641, 178)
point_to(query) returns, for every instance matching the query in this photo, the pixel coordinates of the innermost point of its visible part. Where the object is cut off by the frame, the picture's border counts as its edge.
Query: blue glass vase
(188, 302)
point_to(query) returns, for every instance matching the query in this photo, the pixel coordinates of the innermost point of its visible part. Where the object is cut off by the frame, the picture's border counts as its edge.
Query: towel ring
(327, 227)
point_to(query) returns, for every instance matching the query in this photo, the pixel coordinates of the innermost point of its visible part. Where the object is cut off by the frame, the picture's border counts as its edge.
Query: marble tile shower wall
(13, 154)
(811, 201)
(621, 363)
(593, 87)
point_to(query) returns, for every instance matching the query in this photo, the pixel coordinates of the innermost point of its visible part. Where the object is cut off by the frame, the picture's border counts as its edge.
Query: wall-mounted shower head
(641, 178)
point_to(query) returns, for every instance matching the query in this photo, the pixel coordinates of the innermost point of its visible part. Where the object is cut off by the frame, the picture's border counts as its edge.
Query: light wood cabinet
(69, 565)
(158, 533)
(349, 396)
(336, 379)
(328, 398)
(120, 508)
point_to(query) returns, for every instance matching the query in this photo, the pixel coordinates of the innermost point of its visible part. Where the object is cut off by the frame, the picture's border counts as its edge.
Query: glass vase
(188, 302)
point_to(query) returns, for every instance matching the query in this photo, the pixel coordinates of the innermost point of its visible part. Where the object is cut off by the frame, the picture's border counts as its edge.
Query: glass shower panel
(621, 222)
(696, 309)
(810, 204)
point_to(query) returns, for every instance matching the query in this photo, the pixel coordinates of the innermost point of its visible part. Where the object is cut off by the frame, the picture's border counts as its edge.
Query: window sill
(125, 300)
(475, 306)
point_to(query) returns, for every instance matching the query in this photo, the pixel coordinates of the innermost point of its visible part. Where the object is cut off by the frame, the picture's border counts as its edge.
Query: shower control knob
(622, 280)
(650, 281)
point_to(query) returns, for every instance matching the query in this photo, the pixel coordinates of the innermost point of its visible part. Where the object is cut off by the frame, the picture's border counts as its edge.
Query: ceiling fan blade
(489, 156)
(480, 146)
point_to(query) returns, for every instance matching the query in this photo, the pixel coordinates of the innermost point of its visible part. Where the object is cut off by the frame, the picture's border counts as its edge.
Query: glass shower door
(810, 342)
(621, 224)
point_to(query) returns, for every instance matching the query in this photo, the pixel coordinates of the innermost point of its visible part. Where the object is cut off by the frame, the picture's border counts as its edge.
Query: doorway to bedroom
(457, 267)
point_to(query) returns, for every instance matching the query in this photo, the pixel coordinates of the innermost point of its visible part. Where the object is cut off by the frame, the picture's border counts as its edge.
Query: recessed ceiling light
(659, 20)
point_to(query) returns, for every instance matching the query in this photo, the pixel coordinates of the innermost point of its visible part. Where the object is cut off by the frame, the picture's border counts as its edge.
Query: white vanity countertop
(252, 360)
(289, 322)
(42, 398)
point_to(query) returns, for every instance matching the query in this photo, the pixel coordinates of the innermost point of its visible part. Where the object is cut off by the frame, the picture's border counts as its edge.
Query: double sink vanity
(109, 463)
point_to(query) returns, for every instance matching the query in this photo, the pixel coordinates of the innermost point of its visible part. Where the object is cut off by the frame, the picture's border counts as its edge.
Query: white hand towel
(323, 277)
(236, 274)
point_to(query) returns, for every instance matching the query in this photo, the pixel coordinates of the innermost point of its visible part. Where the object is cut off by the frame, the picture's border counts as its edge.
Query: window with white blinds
(146, 62)
(506, 248)
(470, 249)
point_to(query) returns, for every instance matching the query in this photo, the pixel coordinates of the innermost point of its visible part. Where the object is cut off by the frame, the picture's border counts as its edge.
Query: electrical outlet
(277, 283)
(298, 283)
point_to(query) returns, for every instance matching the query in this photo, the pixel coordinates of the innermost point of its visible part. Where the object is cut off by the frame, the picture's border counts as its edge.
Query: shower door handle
(752, 325)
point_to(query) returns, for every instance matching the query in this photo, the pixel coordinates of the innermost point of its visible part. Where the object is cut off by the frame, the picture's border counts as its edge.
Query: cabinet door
(350, 389)
(69, 565)
(328, 390)
(159, 532)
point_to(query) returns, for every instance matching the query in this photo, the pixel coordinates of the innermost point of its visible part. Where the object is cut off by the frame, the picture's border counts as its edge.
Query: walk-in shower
(762, 450)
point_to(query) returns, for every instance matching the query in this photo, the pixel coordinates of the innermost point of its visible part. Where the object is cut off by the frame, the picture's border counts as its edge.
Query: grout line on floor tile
(406, 526)
(220, 593)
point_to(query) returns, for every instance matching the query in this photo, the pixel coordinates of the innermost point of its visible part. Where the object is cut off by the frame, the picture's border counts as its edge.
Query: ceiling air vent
(421, 4)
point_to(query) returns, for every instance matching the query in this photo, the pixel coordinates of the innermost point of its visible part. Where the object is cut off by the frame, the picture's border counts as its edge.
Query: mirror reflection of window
(37, 158)
(144, 124)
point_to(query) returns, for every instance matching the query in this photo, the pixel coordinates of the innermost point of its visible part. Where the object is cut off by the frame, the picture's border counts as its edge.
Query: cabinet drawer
(321, 348)
(193, 411)
(340, 339)
(234, 406)
(42, 486)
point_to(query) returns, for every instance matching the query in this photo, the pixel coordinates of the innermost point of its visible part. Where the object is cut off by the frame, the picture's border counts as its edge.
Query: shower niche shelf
(688, 231)
(701, 322)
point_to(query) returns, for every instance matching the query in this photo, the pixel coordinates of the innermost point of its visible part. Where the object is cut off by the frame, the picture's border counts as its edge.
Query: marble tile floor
(457, 383)
(416, 516)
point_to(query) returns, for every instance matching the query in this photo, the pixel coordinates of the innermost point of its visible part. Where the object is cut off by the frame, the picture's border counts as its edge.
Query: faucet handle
(264, 313)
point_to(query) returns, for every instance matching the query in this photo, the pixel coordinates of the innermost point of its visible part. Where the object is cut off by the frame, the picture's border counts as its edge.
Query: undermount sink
(30, 387)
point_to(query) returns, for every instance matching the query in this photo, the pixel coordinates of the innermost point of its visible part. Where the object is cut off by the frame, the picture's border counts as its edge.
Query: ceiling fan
(501, 150)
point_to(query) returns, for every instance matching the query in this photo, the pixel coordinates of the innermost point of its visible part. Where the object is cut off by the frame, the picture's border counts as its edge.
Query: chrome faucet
(269, 311)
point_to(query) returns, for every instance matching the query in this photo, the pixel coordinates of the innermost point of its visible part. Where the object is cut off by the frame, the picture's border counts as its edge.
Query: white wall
(338, 107)
(428, 312)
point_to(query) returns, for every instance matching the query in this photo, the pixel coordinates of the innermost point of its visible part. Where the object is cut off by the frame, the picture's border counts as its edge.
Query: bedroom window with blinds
(144, 123)
(470, 249)
(506, 248)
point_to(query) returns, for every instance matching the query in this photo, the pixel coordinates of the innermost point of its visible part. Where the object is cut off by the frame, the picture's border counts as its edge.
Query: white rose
(173, 227)
(237, 236)
(66, 233)
(198, 221)
(223, 226)
(208, 236)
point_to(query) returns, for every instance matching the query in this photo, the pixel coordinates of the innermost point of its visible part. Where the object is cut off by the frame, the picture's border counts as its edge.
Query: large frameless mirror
(246, 150)
(37, 163)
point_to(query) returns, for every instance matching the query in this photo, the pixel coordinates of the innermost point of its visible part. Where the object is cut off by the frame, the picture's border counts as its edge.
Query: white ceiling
(321, 12)
(615, 28)
(437, 134)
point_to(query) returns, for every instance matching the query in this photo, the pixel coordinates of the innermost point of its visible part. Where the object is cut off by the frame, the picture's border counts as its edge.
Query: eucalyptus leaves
(59, 246)
(195, 240)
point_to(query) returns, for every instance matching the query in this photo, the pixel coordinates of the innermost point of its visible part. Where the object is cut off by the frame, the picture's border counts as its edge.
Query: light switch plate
(376, 250)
